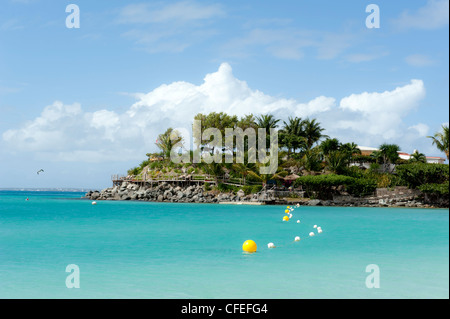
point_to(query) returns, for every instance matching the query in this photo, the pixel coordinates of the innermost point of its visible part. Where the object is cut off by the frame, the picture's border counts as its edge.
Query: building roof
(402, 155)
(367, 148)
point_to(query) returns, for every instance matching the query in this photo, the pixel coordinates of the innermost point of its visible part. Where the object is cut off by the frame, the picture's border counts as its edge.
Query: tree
(389, 154)
(220, 121)
(264, 178)
(291, 135)
(337, 161)
(312, 132)
(167, 140)
(214, 169)
(266, 122)
(350, 149)
(441, 140)
(312, 159)
(417, 157)
(329, 145)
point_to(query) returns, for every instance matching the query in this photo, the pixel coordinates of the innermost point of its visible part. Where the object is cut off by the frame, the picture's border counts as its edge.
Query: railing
(182, 177)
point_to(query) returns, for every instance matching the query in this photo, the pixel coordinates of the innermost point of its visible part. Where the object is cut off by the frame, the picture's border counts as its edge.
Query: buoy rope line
(250, 246)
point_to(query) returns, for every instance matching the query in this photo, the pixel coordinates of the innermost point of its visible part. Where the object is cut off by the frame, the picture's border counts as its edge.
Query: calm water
(164, 250)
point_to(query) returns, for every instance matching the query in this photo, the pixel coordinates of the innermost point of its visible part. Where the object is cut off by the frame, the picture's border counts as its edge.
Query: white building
(365, 150)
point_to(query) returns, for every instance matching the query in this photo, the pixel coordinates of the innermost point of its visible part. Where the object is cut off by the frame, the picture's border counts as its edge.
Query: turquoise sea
(169, 250)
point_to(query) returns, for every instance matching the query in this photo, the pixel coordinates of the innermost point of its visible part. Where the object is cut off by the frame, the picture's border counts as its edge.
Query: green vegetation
(433, 188)
(326, 166)
(414, 175)
(325, 186)
(441, 140)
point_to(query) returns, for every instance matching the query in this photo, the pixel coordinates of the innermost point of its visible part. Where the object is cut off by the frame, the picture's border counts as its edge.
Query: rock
(167, 194)
(240, 193)
(95, 195)
(315, 202)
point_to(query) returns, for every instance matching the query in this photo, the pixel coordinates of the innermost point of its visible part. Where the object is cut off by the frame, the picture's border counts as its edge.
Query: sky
(87, 102)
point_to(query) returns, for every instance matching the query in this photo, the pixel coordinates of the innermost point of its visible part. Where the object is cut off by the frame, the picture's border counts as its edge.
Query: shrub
(256, 188)
(247, 189)
(354, 172)
(206, 187)
(418, 174)
(154, 165)
(134, 171)
(144, 164)
(223, 188)
(324, 186)
(433, 188)
(362, 187)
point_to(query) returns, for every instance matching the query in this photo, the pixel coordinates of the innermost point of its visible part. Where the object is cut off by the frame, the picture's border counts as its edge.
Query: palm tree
(214, 169)
(417, 157)
(267, 122)
(312, 132)
(291, 135)
(441, 140)
(350, 149)
(166, 141)
(329, 145)
(264, 178)
(244, 169)
(337, 161)
(389, 153)
(312, 159)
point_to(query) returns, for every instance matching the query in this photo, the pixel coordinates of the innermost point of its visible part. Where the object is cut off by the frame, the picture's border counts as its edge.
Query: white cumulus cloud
(380, 114)
(65, 132)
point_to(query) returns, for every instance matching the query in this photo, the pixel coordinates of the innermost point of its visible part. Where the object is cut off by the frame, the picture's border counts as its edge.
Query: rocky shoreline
(165, 192)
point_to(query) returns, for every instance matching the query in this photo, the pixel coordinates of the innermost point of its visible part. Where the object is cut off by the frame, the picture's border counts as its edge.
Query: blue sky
(85, 103)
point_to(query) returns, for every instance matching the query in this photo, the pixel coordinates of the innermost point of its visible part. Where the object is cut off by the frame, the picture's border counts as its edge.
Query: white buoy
(319, 231)
(298, 221)
(315, 226)
(297, 238)
(311, 234)
(290, 216)
(271, 245)
(94, 203)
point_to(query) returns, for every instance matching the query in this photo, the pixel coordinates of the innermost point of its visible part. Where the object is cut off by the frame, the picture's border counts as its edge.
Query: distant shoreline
(68, 190)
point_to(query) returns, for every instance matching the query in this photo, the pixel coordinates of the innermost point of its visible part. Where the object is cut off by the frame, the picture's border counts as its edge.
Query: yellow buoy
(249, 246)
(285, 218)
(287, 211)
